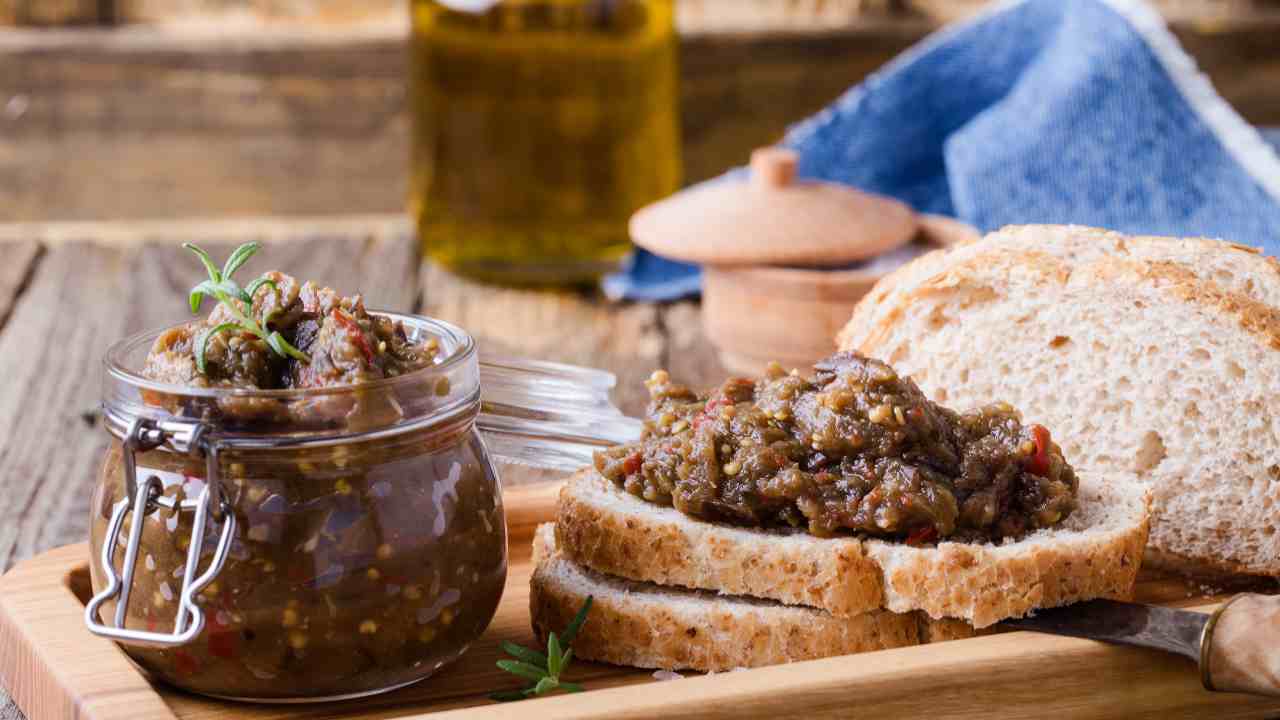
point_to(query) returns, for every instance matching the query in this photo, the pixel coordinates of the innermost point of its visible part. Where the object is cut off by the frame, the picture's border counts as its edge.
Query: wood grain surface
(68, 290)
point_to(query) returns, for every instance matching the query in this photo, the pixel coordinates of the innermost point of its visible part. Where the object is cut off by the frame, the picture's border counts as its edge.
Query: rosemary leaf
(571, 687)
(519, 652)
(252, 288)
(571, 631)
(199, 293)
(202, 342)
(229, 293)
(238, 258)
(523, 669)
(544, 685)
(553, 655)
(284, 349)
(214, 274)
(232, 289)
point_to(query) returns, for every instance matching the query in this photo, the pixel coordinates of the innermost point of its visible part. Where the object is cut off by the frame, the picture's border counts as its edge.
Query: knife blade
(1236, 647)
(1149, 626)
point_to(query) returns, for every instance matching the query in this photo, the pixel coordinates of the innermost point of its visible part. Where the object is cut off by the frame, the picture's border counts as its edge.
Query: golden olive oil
(540, 126)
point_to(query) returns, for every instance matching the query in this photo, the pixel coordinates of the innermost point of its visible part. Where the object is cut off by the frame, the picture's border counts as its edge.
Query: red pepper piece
(922, 535)
(357, 334)
(631, 465)
(1038, 463)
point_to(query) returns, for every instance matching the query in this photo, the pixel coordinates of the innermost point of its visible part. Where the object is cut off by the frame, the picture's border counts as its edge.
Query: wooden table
(67, 291)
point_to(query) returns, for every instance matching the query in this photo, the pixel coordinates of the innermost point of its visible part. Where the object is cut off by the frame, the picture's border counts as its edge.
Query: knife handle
(1240, 649)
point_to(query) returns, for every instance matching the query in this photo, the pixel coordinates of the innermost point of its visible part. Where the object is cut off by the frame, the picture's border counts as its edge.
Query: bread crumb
(665, 675)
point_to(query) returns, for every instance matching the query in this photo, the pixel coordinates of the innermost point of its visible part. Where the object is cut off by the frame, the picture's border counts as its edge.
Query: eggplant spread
(336, 342)
(857, 448)
(359, 563)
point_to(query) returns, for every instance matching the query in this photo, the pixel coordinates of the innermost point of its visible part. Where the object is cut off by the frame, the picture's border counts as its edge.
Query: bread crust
(612, 532)
(1218, 574)
(643, 625)
(985, 584)
(606, 529)
(1067, 245)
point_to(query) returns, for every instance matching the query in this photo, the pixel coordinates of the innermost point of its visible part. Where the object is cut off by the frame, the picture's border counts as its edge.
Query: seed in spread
(857, 448)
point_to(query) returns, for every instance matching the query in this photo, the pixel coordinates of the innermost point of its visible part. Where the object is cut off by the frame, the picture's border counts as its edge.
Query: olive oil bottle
(539, 127)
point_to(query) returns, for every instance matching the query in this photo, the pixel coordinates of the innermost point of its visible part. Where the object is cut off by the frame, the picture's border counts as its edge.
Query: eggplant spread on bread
(856, 448)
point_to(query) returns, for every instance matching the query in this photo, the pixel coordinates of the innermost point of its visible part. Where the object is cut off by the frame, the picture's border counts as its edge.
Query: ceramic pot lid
(773, 219)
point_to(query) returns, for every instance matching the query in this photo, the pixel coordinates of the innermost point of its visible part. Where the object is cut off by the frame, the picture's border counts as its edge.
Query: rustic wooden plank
(183, 121)
(266, 228)
(181, 124)
(17, 262)
(688, 355)
(49, 356)
(558, 325)
(56, 12)
(57, 330)
(294, 11)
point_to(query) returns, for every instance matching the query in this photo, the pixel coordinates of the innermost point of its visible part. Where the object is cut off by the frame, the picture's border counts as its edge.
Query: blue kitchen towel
(1038, 111)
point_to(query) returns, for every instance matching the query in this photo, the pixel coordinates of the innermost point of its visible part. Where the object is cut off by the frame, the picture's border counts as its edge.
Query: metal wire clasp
(144, 496)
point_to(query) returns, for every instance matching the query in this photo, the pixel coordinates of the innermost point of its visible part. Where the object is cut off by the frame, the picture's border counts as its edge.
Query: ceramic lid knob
(773, 167)
(773, 218)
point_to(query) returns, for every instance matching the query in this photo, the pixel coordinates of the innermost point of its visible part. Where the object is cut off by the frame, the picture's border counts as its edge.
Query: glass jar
(286, 545)
(539, 127)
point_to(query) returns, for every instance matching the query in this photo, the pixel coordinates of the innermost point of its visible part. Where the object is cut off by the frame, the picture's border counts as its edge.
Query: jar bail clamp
(144, 496)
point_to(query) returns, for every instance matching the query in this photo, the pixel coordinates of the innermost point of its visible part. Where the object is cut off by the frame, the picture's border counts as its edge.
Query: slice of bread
(1236, 268)
(1154, 357)
(644, 625)
(1094, 553)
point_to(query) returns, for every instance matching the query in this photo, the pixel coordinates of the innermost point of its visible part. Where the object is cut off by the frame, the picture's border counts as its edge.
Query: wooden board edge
(962, 679)
(55, 670)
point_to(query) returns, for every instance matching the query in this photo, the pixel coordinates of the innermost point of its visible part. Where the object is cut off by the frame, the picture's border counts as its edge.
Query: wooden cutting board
(56, 669)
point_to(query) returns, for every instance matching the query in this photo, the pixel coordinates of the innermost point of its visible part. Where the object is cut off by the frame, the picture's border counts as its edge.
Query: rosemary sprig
(238, 301)
(543, 671)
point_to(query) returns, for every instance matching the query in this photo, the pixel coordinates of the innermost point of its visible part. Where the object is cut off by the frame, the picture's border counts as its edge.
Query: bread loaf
(1154, 360)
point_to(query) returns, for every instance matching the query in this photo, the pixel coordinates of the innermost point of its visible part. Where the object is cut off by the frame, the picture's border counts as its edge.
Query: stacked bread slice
(1154, 357)
(674, 592)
